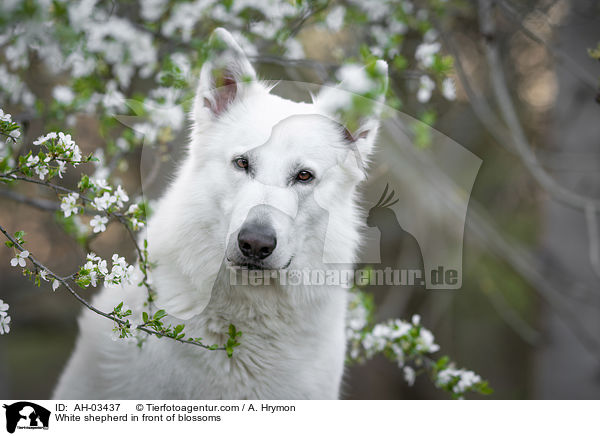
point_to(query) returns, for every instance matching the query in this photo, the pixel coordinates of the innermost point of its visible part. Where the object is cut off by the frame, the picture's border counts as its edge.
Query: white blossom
(113, 100)
(133, 208)
(426, 341)
(183, 18)
(136, 224)
(4, 325)
(122, 144)
(63, 94)
(355, 79)
(120, 271)
(101, 184)
(408, 7)
(104, 202)
(375, 9)
(5, 116)
(71, 149)
(3, 308)
(152, 9)
(121, 196)
(335, 18)
(115, 335)
(19, 259)
(102, 266)
(422, 14)
(41, 171)
(55, 285)
(93, 278)
(16, 91)
(409, 375)
(400, 329)
(93, 257)
(425, 53)
(96, 269)
(4, 318)
(164, 111)
(397, 27)
(426, 86)
(430, 36)
(294, 49)
(32, 161)
(69, 204)
(62, 167)
(449, 89)
(465, 379)
(47, 137)
(79, 64)
(99, 223)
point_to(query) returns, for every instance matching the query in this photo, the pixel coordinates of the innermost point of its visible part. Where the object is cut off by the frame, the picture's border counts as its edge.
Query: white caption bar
(299, 417)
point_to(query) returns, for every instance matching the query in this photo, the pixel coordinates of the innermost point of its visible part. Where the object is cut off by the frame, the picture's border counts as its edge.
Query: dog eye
(304, 176)
(242, 163)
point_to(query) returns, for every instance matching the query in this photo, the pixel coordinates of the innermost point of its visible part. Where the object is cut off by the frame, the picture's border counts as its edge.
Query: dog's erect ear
(357, 102)
(222, 77)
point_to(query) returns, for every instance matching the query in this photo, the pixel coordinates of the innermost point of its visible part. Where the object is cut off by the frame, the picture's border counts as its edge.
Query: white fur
(293, 342)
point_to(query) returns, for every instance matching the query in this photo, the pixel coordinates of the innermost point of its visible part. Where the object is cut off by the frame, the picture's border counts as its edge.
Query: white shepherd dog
(268, 184)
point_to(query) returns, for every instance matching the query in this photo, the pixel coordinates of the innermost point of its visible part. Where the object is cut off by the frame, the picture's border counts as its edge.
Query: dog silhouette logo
(26, 415)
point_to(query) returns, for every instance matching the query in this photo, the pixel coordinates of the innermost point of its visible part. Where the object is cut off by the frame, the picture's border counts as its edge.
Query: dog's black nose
(257, 241)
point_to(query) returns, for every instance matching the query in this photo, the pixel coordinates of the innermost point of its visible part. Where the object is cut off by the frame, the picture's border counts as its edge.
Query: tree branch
(509, 114)
(117, 215)
(65, 283)
(38, 203)
(592, 228)
(556, 53)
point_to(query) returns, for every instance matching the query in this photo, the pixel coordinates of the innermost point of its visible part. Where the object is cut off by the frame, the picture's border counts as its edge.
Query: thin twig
(565, 60)
(512, 318)
(39, 203)
(14, 177)
(117, 215)
(63, 281)
(495, 127)
(487, 29)
(509, 114)
(592, 228)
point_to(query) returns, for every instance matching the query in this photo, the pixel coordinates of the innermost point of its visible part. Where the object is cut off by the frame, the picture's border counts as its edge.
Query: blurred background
(522, 97)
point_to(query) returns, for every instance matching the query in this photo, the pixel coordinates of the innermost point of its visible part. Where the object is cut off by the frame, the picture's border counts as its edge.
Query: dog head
(283, 169)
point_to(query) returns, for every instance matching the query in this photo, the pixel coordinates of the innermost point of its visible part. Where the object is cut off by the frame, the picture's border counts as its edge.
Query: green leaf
(160, 314)
(84, 183)
(485, 389)
(594, 53)
(442, 363)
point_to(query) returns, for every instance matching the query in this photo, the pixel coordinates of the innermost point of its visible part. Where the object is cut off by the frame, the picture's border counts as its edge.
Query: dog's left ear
(357, 102)
(222, 78)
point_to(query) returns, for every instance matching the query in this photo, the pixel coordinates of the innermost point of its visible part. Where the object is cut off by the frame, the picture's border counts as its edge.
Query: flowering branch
(410, 345)
(61, 149)
(151, 324)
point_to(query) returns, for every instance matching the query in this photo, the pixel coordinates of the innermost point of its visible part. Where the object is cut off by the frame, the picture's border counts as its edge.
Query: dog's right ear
(222, 77)
(357, 103)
